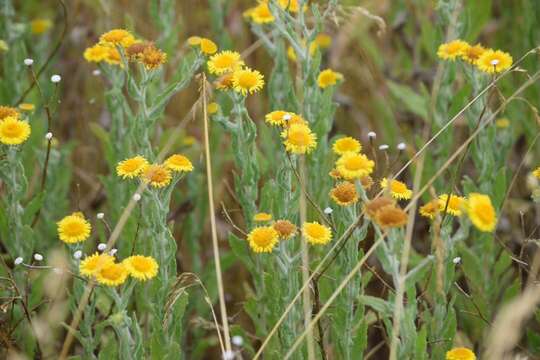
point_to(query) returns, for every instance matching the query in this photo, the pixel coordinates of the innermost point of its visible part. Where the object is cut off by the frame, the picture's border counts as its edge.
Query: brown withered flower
(285, 229)
(344, 194)
(375, 205)
(391, 216)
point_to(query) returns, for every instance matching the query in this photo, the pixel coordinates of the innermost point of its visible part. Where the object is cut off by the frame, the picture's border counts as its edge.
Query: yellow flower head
(472, 53)
(262, 217)
(131, 167)
(390, 216)
(346, 145)
(285, 229)
(247, 81)
(13, 131)
(494, 61)
(502, 123)
(323, 41)
(460, 354)
(289, 5)
(296, 119)
(397, 189)
(224, 62)
(455, 205)
(277, 117)
(117, 37)
(178, 162)
(335, 174)
(112, 275)
(536, 172)
(97, 53)
(92, 264)
(156, 175)
(74, 228)
(316, 234)
(328, 78)
(207, 46)
(260, 14)
(430, 209)
(141, 267)
(212, 108)
(39, 26)
(263, 239)
(298, 139)
(452, 50)
(481, 212)
(344, 194)
(29, 107)
(6, 111)
(354, 166)
(152, 57)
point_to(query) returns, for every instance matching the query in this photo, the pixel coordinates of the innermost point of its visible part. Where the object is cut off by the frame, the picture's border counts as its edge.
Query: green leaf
(414, 102)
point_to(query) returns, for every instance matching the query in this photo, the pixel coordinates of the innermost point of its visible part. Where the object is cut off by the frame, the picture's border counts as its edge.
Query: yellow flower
(328, 78)
(194, 40)
(152, 57)
(536, 172)
(212, 108)
(455, 205)
(3, 46)
(39, 26)
(141, 267)
(117, 37)
(13, 131)
(247, 81)
(346, 145)
(156, 175)
(452, 50)
(502, 123)
(92, 264)
(260, 14)
(113, 56)
(6, 111)
(112, 275)
(430, 209)
(397, 189)
(224, 62)
(73, 228)
(492, 61)
(178, 162)
(27, 107)
(323, 40)
(96, 53)
(285, 229)
(131, 167)
(481, 212)
(335, 174)
(207, 46)
(296, 119)
(289, 5)
(263, 239)
(460, 354)
(316, 234)
(277, 117)
(298, 139)
(472, 53)
(344, 194)
(262, 217)
(354, 166)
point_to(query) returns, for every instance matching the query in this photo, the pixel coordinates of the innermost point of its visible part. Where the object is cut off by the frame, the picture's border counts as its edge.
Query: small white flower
(96, 72)
(28, 62)
(401, 146)
(456, 260)
(56, 78)
(18, 261)
(228, 355)
(137, 197)
(77, 254)
(383, 147)
(328, 210)
(100, 215)
(495, 62)
(48, 136)
(237, 340)
(372, 135)
(113, 252)
(38, 257)
(101, 246)
(287, 117)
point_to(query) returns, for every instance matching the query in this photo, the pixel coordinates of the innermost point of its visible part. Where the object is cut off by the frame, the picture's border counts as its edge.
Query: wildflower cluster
(486, 60)
(106, 271)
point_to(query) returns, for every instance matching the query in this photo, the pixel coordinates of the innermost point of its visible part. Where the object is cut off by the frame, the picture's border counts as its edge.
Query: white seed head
(38, 257)
(28, 62)
(18, 261)
(228, 355)
(237, 340)
(56, 78)
(456, 260)
(383, 147)
(328, 210)
(137, 197)
(96, 72)
(100, 215)
(49, 136)
(401, 146)
(372, 135)
(287, 117)
(113, 252)
(77, 254)
(101, 246)
(495, 62)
